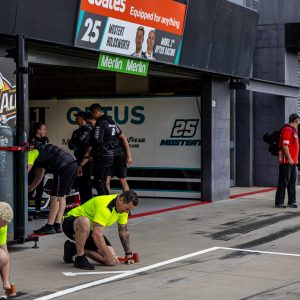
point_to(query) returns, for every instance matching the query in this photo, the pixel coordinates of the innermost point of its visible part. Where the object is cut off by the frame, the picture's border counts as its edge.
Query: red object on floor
(76, 198)
(12, 291)
(135, 257)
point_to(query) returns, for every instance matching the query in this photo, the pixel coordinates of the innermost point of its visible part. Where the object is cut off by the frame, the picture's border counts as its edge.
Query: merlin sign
(121, 64)
(149, 29)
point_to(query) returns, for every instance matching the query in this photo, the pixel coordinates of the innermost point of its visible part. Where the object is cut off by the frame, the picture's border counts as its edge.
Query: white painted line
(70, 274)
(144, 269)
(257, 251)
(119, 276)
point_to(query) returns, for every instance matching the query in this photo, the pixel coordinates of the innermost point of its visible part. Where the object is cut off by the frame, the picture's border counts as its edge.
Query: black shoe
(69, 252)
(293, 205)
(280, 206)
(82, 262)
(47, 229)
(57, 228)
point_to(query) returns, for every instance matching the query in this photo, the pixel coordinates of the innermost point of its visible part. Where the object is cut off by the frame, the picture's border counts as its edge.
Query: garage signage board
(149, 29)
(164, 135)
(7, 92)
(121, 64)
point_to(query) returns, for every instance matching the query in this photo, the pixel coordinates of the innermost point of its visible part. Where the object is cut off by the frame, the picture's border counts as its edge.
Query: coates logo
(116, 5)
(7, 100)
(182, 133)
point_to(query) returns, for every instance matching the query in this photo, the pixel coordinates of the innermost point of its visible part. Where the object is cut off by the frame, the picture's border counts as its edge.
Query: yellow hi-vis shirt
(32, 156)
(100, 210)
(3, 235)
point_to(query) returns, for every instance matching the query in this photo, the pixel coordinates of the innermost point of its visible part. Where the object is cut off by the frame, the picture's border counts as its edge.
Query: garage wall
(219, 36)
(46, 20)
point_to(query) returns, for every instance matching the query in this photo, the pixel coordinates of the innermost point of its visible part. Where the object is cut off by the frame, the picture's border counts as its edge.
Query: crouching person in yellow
(86, 223)
(6, 215)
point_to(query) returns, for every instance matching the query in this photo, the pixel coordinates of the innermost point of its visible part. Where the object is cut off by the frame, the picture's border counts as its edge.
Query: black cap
(293, 117)
(81, 114)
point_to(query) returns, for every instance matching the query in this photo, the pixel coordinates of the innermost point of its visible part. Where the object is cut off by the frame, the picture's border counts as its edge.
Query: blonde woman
(6, 215)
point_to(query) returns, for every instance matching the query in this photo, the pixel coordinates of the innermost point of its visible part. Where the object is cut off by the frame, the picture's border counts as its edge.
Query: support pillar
(215, 140)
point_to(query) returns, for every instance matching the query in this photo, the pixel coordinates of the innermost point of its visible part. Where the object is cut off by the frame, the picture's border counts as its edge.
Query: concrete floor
(200, 233)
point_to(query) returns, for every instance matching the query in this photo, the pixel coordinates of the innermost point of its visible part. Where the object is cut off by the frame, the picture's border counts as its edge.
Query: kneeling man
(85, 225)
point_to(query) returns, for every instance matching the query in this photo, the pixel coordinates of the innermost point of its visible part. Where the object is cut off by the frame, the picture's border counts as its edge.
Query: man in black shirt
(64, 166)
(122, 156)
(101, 149)
(122, 159)
(79, 142)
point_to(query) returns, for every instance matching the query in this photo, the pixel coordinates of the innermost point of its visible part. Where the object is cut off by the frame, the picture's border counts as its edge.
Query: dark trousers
(38, 190)
(39, 195)
(286, 180)
(84, 183)
(64, 179)
(101, 167)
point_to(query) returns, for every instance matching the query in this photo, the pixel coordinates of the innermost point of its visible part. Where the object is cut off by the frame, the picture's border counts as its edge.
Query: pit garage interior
(64, 81)
(58, 70)
(63, 74)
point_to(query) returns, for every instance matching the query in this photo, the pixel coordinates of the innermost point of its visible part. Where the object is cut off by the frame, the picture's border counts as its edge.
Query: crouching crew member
(85, 225)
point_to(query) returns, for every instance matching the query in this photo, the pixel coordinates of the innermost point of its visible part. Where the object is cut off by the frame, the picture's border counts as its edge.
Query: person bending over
(64, 167)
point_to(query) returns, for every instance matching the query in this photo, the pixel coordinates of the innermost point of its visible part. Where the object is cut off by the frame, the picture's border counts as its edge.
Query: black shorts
(119, 168)
(63, 180)
(68, 228)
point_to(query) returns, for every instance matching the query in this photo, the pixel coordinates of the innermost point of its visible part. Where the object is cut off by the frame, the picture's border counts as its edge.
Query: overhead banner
(149, 29)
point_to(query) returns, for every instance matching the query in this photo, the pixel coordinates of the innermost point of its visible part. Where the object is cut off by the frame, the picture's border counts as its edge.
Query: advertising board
(149, 29)
(7, 96)
(7, 132)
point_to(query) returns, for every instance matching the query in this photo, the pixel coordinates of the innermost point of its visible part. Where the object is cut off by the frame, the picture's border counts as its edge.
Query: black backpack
(272, 138)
